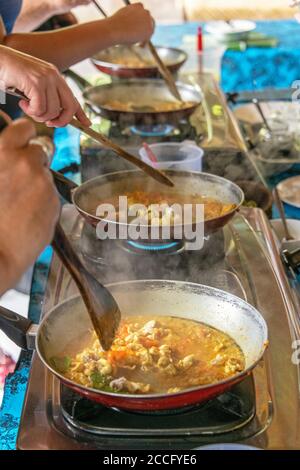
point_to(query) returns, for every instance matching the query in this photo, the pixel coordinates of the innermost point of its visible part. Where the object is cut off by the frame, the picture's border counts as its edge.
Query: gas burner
(230, 411)
(161, 248)
(119, 260)
(160, 130)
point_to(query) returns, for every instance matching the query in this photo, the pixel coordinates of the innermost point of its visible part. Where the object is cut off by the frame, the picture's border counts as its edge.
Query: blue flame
(153, 247)
(152, 131)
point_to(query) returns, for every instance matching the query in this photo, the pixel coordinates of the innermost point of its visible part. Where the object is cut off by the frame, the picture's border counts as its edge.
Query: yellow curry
(155, 355)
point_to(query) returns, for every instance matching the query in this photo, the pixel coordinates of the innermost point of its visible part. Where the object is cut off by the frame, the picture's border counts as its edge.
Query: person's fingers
(37, 105)
(54, 105)
(70, 107)
(18, 134)
(67, 112)
(82, 117)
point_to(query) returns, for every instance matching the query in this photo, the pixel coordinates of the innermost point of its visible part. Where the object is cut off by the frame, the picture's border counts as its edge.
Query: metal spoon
(280, 208)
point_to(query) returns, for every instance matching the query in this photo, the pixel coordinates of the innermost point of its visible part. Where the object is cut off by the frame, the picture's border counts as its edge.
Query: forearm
(33, 14)
(7, 280)
(67, 46)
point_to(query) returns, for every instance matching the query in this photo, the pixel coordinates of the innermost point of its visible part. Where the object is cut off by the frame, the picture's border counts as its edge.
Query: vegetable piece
(61, 364)
(100, 382)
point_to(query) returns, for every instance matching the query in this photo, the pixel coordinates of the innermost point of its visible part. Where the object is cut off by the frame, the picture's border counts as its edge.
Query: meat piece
(186, 362)
(149, 327)
(233, 365)
(122, 384)
(219, 360)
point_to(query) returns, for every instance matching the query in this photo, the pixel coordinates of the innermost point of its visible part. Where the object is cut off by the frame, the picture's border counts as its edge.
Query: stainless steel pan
(69, 322)
(90, 194)
(108, 61)
(141, 92)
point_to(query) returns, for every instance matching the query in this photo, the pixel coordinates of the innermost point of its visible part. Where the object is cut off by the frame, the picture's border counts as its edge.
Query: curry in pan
(154, 355)
(158, 106)
(165, 215)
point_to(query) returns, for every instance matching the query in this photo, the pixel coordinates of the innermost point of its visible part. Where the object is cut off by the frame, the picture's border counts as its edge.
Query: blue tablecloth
(254, 68)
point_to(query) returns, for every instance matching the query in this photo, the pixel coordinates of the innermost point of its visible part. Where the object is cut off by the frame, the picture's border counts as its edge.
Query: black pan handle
(64, 186)
(81, 82)
(15, 327)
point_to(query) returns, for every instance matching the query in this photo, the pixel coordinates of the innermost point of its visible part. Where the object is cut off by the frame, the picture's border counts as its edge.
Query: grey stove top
(265, 413)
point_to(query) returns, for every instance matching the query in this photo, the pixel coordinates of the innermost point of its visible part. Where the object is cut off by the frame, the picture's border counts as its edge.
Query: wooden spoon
(101, 305)
(163, 69)
(149, 170)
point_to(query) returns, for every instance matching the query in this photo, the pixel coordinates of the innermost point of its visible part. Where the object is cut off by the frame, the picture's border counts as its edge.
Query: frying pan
(68, 322)
(141, 92)
(90, 194)
(108, 61)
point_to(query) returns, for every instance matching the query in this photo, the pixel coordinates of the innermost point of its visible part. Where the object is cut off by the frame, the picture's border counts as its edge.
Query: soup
(152, 355)
(155, 106)
(165, 215)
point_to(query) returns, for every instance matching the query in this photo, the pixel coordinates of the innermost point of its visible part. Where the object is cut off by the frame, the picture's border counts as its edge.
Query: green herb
(61, 364)
(100, 382)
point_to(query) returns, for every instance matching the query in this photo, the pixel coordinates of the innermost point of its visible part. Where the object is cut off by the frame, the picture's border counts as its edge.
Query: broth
(160, 354)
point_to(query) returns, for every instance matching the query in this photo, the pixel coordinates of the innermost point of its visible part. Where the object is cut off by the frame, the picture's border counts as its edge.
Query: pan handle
(81, 82)
(64, 186)
(15, 327)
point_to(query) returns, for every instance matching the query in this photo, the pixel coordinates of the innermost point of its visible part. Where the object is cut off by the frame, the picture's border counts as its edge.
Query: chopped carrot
(148, 343)
(116, 356)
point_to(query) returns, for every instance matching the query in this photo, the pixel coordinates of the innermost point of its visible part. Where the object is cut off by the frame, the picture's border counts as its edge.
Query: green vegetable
(100, 382)
(61, 364)
(250, 203)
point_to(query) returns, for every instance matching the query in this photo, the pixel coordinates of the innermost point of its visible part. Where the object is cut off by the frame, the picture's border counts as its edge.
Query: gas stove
(212, 126)
(242, 259)
(262, 411)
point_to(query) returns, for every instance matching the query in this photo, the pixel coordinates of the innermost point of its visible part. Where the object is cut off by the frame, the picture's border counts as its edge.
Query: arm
(29, 212)
(70, 45)
(36, 12)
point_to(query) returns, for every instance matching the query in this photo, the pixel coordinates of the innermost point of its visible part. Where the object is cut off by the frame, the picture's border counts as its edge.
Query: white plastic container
(183, 156)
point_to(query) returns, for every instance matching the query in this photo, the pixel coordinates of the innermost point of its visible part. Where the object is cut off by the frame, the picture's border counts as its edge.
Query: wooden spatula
(163, 69)
(154, 173)
(101, 306)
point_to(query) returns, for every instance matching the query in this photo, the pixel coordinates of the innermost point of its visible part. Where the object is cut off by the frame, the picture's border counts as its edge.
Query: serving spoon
(102, 139)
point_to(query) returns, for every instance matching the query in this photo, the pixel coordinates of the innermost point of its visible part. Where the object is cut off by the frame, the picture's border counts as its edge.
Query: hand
(50, 99)
(29, 204)
(132, 24)
(59, 7)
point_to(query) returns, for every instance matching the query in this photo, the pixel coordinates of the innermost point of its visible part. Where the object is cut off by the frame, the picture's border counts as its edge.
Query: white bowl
(233, 31)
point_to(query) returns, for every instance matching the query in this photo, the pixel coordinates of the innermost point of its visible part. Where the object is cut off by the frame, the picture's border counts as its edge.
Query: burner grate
(160, 130)
(228, 412)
